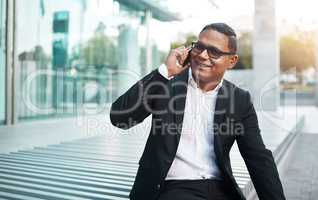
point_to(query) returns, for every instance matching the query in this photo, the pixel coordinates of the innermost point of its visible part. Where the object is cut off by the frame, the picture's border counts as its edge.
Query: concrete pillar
(11, 71)
(2, 59)
(265, 57)
(149, 67)
(129, 67)
(316, 67)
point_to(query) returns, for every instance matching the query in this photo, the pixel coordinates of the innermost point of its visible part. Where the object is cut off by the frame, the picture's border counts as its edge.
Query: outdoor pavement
(301, 177)
(311, 113)
(53, 144)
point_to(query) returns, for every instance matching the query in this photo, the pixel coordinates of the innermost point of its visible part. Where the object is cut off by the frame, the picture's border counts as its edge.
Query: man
(196, 117)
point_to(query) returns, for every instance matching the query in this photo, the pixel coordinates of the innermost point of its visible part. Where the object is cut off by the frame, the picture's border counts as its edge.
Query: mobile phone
(187, 60)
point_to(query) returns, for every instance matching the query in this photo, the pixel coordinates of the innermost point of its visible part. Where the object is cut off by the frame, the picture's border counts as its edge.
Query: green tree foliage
(185, 40)
(99, 51)
(297, 51)
(244, 51)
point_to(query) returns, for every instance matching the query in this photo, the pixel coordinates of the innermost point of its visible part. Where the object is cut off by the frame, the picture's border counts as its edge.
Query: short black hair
(226, 30)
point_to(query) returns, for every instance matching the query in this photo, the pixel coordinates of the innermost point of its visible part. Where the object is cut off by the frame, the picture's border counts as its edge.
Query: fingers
(178, 64)
(181, 53)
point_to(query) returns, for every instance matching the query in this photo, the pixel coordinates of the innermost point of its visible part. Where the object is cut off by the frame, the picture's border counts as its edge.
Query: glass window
(75, 55)
(2, 59)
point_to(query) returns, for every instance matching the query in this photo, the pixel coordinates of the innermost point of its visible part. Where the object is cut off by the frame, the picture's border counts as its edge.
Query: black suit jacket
(234, 120)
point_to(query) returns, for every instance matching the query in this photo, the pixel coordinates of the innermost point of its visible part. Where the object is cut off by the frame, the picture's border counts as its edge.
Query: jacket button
(158, 186)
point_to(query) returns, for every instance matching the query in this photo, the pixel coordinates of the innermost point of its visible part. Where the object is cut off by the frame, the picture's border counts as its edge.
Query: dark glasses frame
(213, 52)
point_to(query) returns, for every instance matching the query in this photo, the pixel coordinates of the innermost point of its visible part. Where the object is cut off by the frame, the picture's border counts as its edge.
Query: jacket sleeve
(135, 104)
(258, 159)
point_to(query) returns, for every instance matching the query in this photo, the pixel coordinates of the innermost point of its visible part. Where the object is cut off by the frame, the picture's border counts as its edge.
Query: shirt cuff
(163, 70)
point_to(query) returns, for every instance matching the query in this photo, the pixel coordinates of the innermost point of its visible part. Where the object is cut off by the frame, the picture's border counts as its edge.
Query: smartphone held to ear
(187, 60)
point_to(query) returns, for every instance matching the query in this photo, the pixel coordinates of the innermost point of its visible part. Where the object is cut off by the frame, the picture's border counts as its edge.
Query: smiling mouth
(201, 65)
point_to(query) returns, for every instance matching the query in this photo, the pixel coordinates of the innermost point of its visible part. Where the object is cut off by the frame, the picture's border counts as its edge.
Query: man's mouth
(204, 65)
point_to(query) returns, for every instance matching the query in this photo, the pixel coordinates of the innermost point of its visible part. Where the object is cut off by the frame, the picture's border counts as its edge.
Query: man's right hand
(175, 60)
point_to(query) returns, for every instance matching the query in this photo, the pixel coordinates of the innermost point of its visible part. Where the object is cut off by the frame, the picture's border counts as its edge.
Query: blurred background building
(69, 53)
(57, 56)
(64, 60)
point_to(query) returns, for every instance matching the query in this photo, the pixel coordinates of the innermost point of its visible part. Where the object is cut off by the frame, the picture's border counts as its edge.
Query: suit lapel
(179, 92)
(221, 107)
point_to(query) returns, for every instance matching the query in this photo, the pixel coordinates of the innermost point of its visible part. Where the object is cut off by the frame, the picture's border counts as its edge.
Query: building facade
(58, 58)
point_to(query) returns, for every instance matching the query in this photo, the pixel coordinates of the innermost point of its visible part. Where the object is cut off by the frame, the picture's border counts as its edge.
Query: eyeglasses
(198, 47)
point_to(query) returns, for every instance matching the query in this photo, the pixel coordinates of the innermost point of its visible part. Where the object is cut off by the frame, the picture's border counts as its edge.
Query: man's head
(213, 53)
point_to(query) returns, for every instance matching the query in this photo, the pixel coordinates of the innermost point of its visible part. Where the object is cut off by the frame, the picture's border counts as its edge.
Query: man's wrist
(163, 70)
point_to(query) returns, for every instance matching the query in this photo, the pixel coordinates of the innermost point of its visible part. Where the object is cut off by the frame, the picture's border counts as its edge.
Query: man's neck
(206, 86)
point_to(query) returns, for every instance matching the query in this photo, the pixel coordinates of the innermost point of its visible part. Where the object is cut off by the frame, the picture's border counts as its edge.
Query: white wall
(242, 78)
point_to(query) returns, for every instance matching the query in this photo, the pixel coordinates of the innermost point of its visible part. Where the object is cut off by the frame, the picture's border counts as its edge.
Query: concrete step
(99, 168)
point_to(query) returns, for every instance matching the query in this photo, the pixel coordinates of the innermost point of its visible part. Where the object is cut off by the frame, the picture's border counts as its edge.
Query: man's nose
(204, 54)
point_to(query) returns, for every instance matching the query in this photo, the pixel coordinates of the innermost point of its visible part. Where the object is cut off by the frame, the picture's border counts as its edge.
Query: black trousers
(203, 189)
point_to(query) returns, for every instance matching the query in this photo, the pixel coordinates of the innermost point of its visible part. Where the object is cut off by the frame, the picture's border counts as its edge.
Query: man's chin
(200, 76)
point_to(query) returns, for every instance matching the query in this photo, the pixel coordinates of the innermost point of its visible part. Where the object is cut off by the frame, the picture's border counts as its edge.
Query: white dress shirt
(195, 157)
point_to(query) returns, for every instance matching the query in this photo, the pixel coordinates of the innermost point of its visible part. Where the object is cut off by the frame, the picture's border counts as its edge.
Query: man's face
(209, 70)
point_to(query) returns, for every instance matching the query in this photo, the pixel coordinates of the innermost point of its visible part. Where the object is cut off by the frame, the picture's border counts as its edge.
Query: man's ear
(233, 60)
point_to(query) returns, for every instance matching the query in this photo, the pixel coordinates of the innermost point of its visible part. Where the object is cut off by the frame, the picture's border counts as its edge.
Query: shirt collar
(192, 82)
